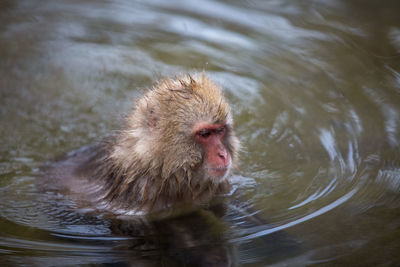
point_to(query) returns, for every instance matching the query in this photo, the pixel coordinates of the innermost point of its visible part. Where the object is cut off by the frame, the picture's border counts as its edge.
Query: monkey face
(217, 159)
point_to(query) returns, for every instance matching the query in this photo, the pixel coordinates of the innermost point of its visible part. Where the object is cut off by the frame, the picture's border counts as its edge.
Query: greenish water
(315, 92)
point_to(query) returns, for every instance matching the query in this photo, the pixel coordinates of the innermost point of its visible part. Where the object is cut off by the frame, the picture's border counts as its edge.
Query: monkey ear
(152, 120)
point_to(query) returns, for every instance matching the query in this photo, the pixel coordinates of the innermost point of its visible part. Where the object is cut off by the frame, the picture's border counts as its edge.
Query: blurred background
(315, 92)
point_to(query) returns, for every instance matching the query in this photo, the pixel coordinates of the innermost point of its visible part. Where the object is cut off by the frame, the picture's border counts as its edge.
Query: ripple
(259, 232)
(390, 178)
(314, 93)
(318, 194)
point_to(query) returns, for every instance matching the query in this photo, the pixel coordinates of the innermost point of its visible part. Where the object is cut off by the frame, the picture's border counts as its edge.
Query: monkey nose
(222, 154)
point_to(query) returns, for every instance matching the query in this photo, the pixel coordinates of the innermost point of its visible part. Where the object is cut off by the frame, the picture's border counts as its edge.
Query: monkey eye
(220, 130)
(204, 133)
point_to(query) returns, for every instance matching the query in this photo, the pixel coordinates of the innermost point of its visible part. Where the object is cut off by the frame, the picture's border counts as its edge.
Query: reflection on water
(315, 91)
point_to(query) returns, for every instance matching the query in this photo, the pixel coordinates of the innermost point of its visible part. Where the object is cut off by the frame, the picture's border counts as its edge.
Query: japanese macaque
(172, 159)
(177, 149)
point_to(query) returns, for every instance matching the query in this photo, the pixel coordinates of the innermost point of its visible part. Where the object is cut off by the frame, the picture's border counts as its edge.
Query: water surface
(315, 93)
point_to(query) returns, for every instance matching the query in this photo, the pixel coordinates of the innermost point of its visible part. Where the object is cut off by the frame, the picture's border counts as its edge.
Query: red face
(211, 137)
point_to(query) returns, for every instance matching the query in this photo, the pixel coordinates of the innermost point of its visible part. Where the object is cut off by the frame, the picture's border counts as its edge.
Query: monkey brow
(219, 121)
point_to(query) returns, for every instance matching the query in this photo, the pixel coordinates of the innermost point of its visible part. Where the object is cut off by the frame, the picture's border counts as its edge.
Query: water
(315, 92)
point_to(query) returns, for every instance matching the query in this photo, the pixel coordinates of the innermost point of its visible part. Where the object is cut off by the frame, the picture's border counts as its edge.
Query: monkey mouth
(218, 171)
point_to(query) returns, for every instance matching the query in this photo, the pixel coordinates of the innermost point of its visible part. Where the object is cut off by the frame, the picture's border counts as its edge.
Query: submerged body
(177, 149)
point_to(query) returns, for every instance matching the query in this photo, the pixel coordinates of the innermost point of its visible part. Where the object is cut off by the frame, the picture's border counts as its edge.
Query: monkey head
(181, 131)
